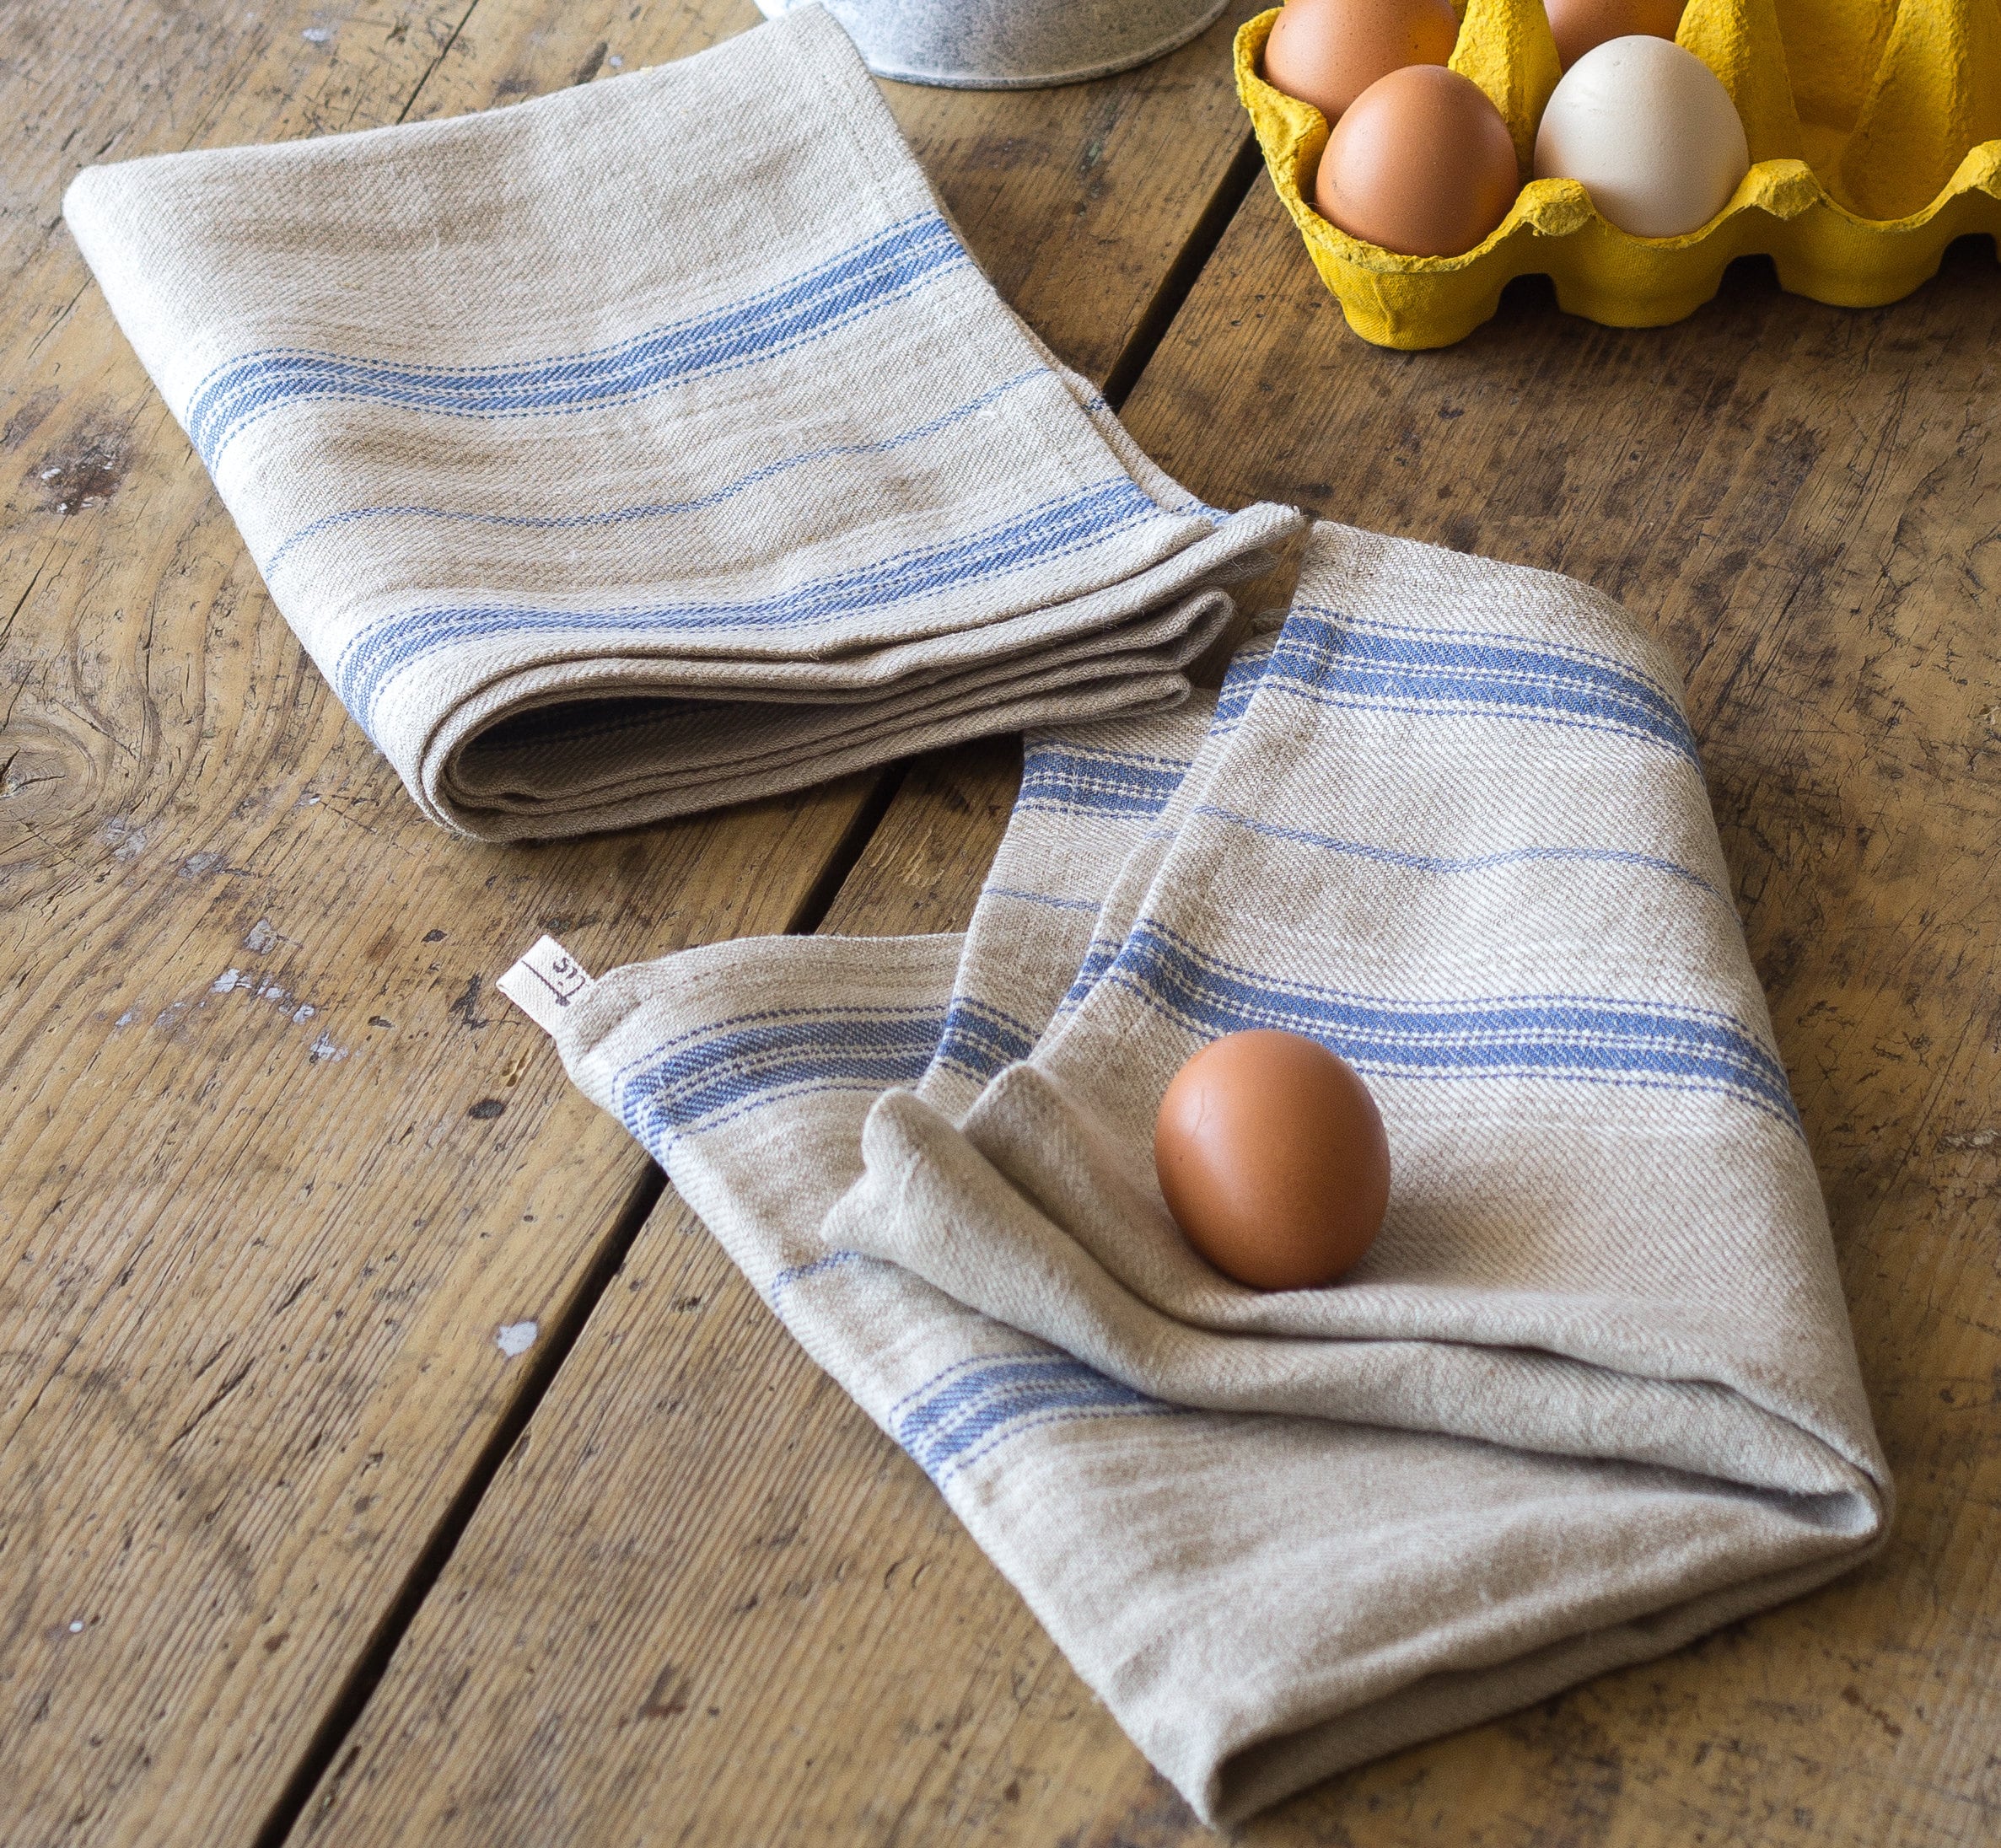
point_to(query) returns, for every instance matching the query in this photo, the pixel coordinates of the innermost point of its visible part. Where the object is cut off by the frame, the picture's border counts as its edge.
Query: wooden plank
(736, 1615)
(277, 1168)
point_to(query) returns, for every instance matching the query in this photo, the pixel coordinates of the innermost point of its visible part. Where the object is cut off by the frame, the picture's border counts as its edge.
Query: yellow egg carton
(1873, 127)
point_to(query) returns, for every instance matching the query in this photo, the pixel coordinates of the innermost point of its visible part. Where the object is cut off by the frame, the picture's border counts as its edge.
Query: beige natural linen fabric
(653, 445)
(1592, 1393)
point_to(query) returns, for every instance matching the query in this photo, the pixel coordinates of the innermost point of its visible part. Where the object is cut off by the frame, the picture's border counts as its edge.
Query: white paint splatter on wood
(516, 1338)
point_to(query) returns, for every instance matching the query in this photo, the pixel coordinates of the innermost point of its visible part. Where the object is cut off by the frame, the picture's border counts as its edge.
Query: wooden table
(290, 1549)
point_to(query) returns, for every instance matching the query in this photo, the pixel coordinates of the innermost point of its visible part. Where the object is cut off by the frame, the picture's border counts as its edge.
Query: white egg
(1650, 131)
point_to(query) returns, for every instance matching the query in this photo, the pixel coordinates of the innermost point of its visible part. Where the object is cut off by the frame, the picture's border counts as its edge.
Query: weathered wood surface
(275, 1165)
(706, 1601)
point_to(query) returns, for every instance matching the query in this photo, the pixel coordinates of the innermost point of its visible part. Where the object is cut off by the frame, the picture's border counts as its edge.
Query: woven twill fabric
(653, 445)
(1593, 1391)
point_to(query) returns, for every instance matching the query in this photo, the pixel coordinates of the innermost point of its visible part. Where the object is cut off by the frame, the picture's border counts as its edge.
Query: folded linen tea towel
(653, 445)
(1592, 1393)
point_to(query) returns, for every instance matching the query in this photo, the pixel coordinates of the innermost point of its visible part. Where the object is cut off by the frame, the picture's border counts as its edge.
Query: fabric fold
(1593, 1391)
(653, 445)
(1593, 1388)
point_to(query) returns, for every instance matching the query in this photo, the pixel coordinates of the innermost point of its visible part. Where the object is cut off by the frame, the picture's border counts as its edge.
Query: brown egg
(1326, 52)
(1579, 26)
(1421, 163)
(1272, 1160)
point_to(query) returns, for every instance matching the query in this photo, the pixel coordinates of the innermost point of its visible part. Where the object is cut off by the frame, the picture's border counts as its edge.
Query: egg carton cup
(1875, 131)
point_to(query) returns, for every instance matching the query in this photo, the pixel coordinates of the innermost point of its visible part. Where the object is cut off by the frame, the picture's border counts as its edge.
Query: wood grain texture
(752, 1621)
(275, 1165)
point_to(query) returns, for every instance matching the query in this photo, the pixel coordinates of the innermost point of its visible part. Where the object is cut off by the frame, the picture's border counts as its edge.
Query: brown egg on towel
(1272, 1157)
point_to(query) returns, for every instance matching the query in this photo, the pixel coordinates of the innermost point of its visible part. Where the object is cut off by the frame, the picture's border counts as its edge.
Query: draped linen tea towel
(1592, 1393)
(653, 445)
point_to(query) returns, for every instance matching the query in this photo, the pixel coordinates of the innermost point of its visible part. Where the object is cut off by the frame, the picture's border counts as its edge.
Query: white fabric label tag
(544, 983)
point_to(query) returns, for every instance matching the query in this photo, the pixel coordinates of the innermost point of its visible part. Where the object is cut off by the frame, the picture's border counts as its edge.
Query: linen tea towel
(652, 445)
(1593, 1392)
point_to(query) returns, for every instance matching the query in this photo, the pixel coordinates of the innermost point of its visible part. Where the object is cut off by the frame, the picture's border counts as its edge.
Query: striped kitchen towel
(653, 445)
(1593, 1392)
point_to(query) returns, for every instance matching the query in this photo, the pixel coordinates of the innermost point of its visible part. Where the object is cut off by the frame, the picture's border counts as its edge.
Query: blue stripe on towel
(814, 1267)
(883, 268)
(1336, 660)
(1048, 899)
(968, 1409)
(979, 1038)
(1588, 1038)
(1065, 779)
(1054, 529)
(1100, 955)
(1474, 863)
(703, 1080)
(649, 510)
(1245, 671)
